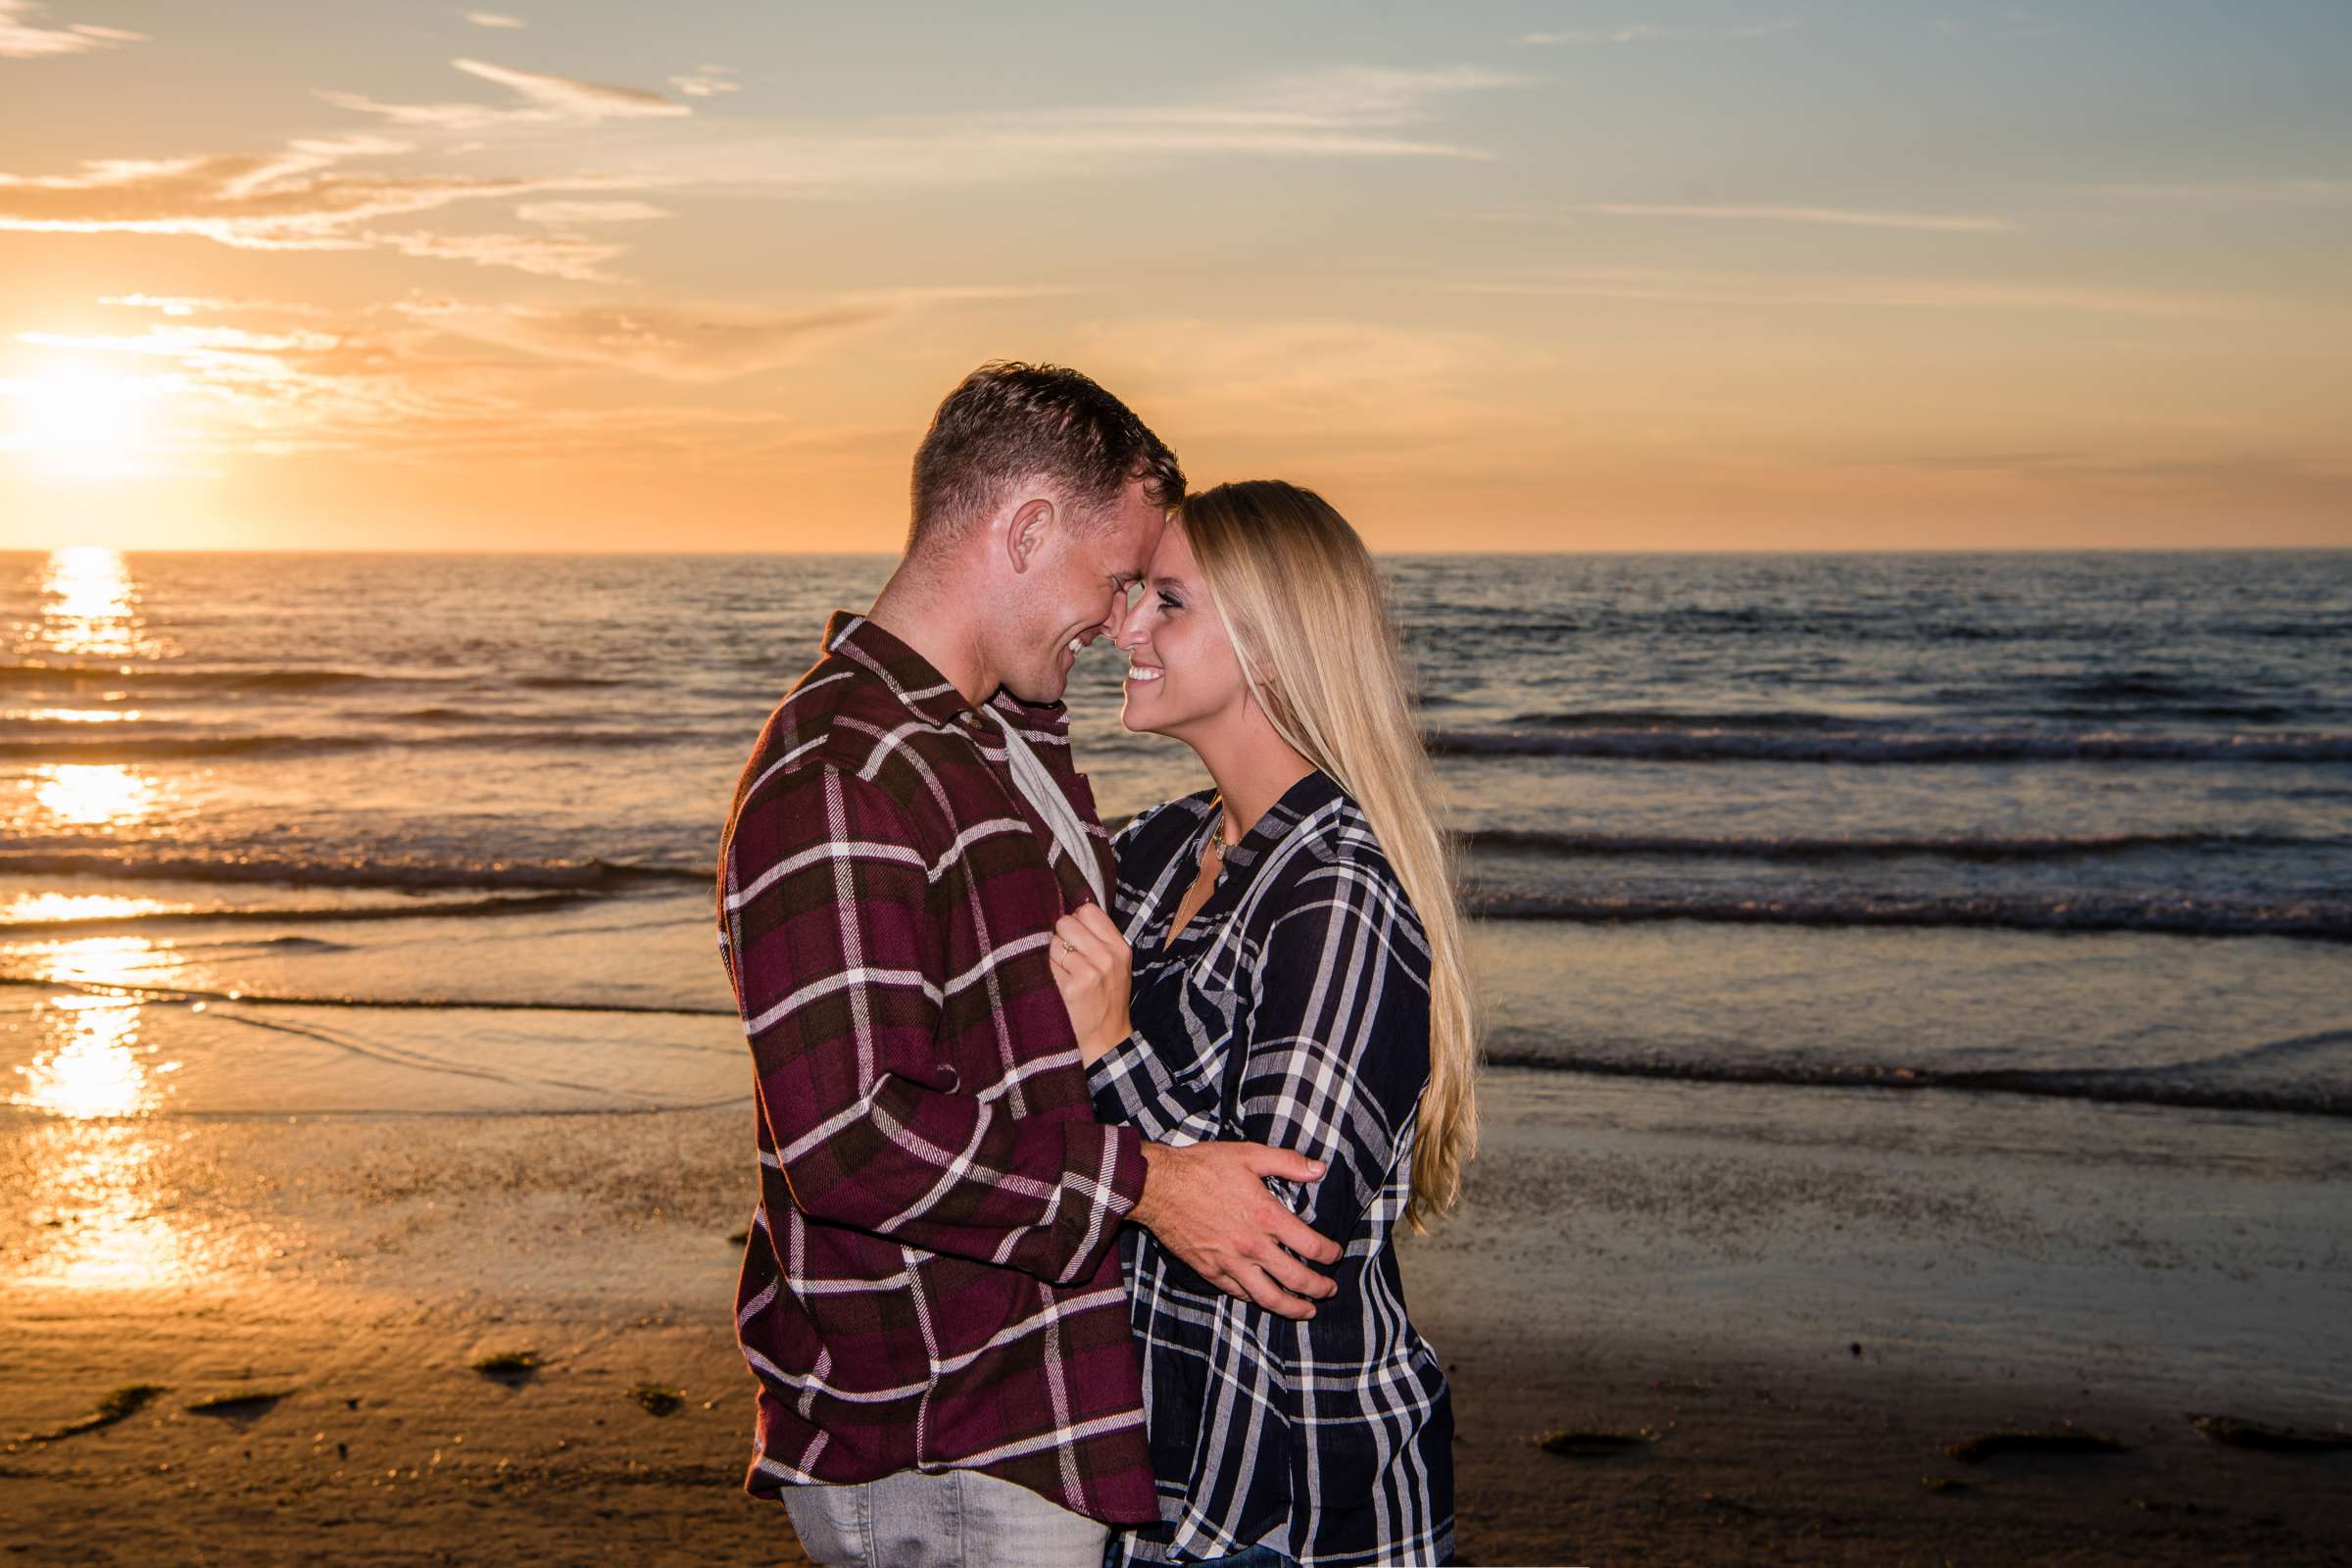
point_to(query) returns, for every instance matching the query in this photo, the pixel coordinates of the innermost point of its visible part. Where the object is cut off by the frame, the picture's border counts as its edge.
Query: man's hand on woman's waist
(1209, 1204)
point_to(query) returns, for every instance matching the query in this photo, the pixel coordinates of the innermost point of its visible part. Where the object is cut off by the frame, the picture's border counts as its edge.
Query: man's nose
(1115, 625)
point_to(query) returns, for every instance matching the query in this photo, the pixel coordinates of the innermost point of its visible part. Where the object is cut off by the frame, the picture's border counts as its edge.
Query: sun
(80, 419)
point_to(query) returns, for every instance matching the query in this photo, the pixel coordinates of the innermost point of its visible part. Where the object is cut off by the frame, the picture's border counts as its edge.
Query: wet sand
(1627, 1268)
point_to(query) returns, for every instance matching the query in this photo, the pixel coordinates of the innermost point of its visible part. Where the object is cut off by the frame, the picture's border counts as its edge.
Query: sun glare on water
(90, 608)
(91, 794)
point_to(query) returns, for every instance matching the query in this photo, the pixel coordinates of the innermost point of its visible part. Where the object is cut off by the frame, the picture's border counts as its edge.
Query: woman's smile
(1174, 625)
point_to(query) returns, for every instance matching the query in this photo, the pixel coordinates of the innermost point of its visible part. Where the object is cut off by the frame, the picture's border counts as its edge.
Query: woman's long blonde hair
(1309, 615)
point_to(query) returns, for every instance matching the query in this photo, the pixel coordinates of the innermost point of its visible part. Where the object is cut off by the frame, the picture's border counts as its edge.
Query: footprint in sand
(240, 1408)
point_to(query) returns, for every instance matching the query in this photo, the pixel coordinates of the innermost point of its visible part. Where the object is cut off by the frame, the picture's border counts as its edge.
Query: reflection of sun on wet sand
(94, 1068)
(325, 1315)
(109, 1227)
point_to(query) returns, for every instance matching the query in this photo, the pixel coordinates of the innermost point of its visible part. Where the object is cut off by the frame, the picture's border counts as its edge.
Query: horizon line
(1916, 550)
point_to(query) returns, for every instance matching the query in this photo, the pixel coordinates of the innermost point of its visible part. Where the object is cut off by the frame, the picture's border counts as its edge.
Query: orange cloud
(589, 212)
(193, 304)
(300, 199)
(570, 257)
(674, 343)
(410, 380)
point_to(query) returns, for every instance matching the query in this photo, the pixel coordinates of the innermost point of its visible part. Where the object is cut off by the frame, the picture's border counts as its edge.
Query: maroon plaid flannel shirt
(930, 1281)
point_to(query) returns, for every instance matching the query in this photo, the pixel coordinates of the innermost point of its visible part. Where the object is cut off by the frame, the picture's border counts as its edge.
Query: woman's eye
(1169, 602)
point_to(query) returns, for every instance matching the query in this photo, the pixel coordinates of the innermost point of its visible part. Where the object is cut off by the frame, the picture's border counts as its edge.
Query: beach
(1855, 525)
(1766, 1338)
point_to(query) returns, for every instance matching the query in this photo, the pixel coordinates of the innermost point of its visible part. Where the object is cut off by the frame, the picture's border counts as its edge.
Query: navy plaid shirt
(1292, 1010)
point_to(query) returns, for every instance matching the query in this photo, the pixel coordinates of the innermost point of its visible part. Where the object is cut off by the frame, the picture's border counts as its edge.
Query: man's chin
(1040, 691)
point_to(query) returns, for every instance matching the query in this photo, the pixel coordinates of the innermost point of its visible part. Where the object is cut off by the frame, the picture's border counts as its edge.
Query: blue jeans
(956, 1519)
(1252, 1558)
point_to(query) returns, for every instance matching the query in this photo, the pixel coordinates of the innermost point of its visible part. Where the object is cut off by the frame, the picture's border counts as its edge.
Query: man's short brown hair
(1009, 422)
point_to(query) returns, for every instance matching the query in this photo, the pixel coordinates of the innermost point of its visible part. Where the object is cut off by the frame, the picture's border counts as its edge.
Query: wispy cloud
(493, 18)
(421, 380)
(186, 305)
(670, 342)
(1657, 32)
(1842, 217)
(1759, 289)
(21, 38)
(575, 258)
(306, 197)
(1352, 112)
(1336, 97)
(2256, 192)
(324, 194)
(281, 391)
(589, 212)
(707, 82)
(546, 100)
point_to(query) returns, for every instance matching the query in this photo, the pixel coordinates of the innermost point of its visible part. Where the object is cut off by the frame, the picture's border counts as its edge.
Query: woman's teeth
(1144, 673)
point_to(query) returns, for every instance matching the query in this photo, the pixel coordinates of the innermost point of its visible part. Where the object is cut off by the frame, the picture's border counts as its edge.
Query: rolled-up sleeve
(1132, 1083)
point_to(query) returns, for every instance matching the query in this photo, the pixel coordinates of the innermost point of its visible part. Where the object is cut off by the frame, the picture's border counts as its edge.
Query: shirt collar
(916, 683)
(1300, 801)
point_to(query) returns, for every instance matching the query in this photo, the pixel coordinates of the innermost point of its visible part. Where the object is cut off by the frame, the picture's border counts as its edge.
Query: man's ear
(1025, 534)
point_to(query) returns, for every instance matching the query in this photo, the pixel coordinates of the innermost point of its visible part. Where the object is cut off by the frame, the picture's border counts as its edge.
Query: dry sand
(355, 1269)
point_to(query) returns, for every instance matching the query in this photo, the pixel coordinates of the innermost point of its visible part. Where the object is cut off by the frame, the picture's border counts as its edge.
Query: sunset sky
(1638, 274)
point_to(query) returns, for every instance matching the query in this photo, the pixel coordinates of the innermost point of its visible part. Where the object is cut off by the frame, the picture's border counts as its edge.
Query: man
(931, 1299)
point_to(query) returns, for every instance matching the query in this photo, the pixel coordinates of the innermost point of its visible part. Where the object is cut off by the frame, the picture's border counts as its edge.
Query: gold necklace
(1216, 840)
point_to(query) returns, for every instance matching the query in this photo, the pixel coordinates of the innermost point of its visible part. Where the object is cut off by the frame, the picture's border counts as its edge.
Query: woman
(1295, 978)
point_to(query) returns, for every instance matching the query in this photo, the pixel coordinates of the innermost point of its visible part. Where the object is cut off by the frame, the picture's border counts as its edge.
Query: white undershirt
(1036, 783)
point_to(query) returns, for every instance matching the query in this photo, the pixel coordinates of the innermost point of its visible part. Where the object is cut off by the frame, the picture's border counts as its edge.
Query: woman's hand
(1091, 962)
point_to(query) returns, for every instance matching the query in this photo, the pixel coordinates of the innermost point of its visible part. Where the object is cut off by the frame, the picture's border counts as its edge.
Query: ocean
(1949, 955)
(2076, 826)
